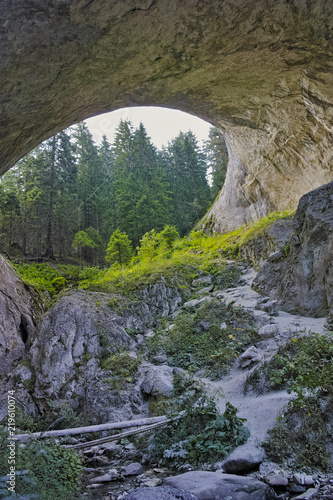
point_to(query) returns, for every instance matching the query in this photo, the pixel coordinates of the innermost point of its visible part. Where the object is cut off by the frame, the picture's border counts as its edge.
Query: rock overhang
(261, 71)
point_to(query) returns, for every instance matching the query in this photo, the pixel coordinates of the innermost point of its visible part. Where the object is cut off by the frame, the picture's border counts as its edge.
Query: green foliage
(201, 435)
(303, 433)
(303, 365)
(119, 248)
(40, 276)
(196, 341)
(81, 240)
(121, 364)
(52, 468)
(59, 283)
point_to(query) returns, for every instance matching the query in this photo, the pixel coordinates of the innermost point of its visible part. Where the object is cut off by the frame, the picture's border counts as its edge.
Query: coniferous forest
(68, 196)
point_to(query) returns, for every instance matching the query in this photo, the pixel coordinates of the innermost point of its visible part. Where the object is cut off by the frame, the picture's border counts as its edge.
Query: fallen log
(93, 428)
(116, 437)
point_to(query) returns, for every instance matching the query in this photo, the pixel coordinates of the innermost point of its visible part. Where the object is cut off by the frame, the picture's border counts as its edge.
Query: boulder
(159, 493)
(158, 381)
(303, 281)
(276, 480)
(133, 469)
(243, 459)
(217, 486)
(268, 331)
(250, 356)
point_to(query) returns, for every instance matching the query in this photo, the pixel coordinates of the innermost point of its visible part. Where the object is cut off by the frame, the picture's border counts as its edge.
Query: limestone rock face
(261, 71)
(18, 309)
(273, 239)
(303, 281)
(76, 335)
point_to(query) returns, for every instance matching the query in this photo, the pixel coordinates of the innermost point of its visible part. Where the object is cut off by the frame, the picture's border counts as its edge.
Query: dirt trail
(260, 410)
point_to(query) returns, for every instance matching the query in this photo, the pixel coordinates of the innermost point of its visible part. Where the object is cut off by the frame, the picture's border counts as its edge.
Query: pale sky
(161, 124)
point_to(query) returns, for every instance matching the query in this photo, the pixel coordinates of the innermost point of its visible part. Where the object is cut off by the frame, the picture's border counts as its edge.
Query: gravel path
(259, 410)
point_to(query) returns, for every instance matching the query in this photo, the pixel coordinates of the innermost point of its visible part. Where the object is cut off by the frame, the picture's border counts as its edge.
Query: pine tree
(217, 157)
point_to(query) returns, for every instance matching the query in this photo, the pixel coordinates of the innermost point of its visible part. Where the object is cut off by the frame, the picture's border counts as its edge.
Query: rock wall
(18, 311)
(303, 281)
(260, 70)
(64, 364)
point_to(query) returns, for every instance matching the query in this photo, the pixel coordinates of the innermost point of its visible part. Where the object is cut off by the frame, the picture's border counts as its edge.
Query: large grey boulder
(303, 281)
(160, 493)
(217, 486)
(18, 310)
(243, 459)
(158, 380)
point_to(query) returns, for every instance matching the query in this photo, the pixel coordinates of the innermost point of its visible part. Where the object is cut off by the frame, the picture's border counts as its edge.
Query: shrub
(196, 341)
(202, 434)
(303, 365)
(52, 468)
(303, 434)
(59, 283)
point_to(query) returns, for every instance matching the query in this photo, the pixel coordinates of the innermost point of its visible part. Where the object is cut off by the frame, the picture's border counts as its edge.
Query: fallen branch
(93, 428)
(116, 437)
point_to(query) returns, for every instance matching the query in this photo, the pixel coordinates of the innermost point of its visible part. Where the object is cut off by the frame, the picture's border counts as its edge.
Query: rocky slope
(261, 71)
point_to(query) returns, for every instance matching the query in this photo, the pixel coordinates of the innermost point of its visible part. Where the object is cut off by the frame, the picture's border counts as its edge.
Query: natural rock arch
(261, 70)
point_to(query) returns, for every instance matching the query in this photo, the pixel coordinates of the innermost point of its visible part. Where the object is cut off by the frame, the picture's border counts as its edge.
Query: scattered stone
(202, 281)
(303, 479)
(217, 486)
(223, 326)
(307, 495)
(243, 459)
(267, 305)
(297, 488)
(149, 333)
(268, 331)
(204, 325)
(133, 469)
(160, 359)
(276, 480)
(275, 257)
(160, 493)
(242, 282)
(140, 338)
(249, 357)
(191, 304)
(205, 290)
(112, 475)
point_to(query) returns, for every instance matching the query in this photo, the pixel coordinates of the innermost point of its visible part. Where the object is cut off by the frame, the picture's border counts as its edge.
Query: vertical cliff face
(302, 281)
(259, 70)
(17, 311)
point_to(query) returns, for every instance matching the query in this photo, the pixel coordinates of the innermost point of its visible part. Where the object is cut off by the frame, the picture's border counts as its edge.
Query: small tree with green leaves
(82, 240)
(119, 248)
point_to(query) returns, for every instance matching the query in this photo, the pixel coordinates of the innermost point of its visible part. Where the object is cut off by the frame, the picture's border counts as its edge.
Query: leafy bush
(303, 365)
(303, 434)
(122, 365)
(51, 468)
(59, 283)
(40, 276)
(197, 342)
(202, 434)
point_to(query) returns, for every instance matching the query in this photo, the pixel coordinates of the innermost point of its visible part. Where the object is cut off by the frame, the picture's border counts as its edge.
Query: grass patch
(197, 342)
